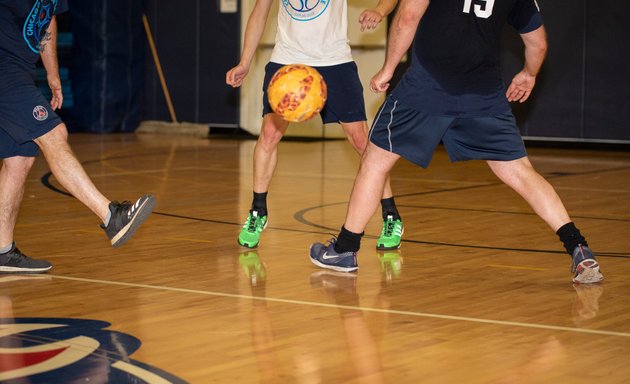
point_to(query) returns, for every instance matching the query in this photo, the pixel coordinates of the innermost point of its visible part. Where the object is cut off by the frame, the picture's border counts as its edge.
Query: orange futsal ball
(297, 92)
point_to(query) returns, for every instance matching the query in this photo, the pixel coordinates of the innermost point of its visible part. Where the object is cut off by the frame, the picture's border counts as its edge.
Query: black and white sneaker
(126, 218)
(15, 261)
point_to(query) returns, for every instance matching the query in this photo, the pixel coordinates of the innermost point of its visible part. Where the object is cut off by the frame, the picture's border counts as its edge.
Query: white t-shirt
(312, 32)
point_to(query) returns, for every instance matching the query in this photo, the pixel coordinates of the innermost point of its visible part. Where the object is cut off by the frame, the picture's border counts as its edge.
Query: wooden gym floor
(480, 291)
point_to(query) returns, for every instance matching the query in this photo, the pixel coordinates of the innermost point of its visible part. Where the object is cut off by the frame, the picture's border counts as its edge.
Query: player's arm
(535, 52)
(371, 18)
(48, 53)
(401, 34)
(253, 33)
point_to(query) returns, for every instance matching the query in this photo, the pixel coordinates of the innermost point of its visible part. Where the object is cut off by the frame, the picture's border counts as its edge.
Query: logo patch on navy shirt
(37, 22)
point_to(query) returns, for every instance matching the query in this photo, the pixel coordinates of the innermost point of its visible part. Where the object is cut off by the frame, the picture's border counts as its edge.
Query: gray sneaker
(126, 218)
(325, 256)
(15, 261)
(584, 266)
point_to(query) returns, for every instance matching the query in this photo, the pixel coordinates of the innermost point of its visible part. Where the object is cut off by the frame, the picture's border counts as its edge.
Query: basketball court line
(363, 309)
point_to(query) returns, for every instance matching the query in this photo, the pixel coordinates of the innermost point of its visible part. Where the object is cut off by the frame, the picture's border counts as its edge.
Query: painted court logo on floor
(40, 113)
(57, 350)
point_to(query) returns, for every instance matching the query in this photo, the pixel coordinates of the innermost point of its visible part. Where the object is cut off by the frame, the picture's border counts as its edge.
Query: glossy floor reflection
(480, 291)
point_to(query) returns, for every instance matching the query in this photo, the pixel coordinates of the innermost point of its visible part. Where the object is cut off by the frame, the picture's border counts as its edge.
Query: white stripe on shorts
(378, 116)
(389, 132)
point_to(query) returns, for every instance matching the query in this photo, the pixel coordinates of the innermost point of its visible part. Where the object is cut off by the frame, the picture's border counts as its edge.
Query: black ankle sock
(348, 241)
(260, 203)
(570, 237)
(389, 208)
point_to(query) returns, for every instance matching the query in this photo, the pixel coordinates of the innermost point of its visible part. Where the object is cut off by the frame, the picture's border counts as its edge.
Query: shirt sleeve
(525, 16)
(62, 7)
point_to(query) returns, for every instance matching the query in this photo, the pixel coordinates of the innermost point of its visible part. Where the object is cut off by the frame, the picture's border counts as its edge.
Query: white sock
(109, 216)
(7, 248)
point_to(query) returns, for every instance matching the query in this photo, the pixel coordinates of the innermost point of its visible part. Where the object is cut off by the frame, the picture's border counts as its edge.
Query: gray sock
(7, 248)
(109, 216)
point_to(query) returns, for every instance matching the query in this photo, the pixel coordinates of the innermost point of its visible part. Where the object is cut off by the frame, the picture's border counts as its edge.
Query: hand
(236, 75)
(370, 19)
(57, 94)
(380, 81)
(521, 87)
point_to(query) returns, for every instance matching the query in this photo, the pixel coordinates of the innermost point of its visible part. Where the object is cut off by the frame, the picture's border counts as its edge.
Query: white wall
(368, 49)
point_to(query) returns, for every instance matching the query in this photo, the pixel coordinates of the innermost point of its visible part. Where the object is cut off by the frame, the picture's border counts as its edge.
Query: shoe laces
(332, 240)
(124, 206)
(388, 228)
(15, 255)
(252, 222)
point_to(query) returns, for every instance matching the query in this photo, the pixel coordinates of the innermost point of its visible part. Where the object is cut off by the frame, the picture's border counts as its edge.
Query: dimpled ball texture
(297, 92)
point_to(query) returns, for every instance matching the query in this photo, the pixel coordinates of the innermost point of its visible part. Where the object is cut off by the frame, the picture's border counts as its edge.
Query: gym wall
(582, 91)
(197, 42)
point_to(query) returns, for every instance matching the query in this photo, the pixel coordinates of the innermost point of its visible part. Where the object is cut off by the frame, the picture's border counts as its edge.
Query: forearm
(535, 51)
(403, 30)
(254, 30)
(385, 7)
(48, 50)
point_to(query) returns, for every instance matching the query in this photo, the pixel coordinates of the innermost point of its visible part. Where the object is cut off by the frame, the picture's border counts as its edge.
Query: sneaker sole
(130, 229)
(380, 248)
(334, 268)
(23, 270)
(589, 276)
(247, 245)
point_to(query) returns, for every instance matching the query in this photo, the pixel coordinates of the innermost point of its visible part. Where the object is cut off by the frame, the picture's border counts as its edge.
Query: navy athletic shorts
(24, 115)
(344, 103)
(414, 135)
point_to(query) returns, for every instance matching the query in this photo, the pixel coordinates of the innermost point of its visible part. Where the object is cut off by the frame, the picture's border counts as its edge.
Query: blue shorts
(344, 103)
(414, 135)
(24, 115)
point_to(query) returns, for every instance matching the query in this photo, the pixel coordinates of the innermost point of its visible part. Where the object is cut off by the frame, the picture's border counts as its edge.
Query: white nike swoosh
(326, 257)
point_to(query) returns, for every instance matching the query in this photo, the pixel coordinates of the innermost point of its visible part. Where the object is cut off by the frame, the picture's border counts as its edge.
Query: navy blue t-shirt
(23, 25)
(455, 66)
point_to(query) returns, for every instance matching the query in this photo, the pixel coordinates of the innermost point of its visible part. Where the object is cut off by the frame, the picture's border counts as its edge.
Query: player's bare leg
(12, 180)
(266, 150)
(521, 176)
(356, 133)
(265, 160)
(340, 254)
(120, 220)
(392, 230)
(368, 187)
(69, 172)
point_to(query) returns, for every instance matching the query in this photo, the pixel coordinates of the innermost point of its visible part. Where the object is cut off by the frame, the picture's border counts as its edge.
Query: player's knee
(378, 160)
(513, 173)
(359, 141)
(18, 167)
(269, 137)
(57, 135)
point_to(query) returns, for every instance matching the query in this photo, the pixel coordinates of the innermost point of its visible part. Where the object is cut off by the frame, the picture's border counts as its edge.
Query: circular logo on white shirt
(305, 10)
(40, 113)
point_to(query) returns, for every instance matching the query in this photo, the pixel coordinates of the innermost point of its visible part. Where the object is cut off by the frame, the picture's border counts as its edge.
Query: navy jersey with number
(455, 68)
(23, 25)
